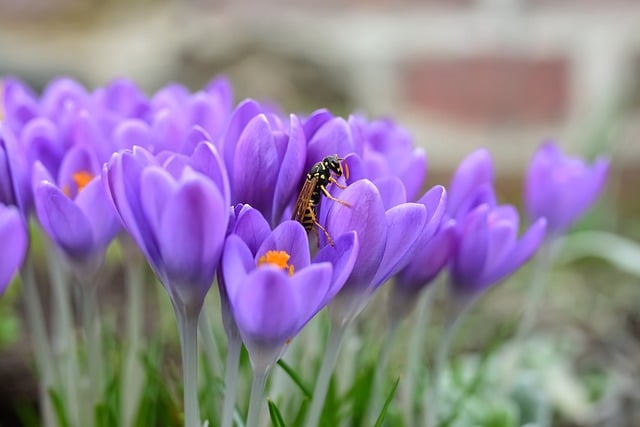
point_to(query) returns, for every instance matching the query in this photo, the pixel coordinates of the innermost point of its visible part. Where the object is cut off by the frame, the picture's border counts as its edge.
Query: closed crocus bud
(561, 188)
(489, 249)
(471, 185)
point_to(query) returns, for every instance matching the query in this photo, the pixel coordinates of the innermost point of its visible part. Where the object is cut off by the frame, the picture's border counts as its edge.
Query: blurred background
(458, 74)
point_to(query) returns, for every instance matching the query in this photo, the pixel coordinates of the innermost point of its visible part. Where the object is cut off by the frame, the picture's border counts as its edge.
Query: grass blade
(295, 378)
(387, 402)
(276, 416)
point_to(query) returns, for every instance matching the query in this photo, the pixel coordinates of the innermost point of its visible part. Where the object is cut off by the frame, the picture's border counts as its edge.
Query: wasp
(315, 185)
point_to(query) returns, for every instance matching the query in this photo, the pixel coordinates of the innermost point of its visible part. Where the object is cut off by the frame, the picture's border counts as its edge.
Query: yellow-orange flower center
(81, 180)
(278, 259)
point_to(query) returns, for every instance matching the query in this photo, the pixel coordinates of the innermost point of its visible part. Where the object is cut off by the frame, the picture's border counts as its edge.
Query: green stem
(375, 401)
(536, 290)
(257, 396)
(64, 341)
(131, 391)
(231, 379)
(336, 334)
(93, 344)
(41, 348)
(188, 329)
(415, 353)
(209, 343)
(432, 396)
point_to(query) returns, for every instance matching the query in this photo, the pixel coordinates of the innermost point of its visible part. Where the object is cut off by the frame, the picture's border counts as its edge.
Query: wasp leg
(326, 233)
(324, 230)
(329, 196)
(336, 183)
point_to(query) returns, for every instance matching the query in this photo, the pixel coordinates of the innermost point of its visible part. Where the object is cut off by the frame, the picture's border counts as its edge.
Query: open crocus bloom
(13, 235)
(276, 290)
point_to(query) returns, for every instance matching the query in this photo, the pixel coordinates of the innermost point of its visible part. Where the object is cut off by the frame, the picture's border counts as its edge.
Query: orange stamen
(81, 179)
(278, 259)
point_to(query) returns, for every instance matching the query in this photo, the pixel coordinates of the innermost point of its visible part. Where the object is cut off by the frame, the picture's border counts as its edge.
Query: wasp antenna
(345, 169)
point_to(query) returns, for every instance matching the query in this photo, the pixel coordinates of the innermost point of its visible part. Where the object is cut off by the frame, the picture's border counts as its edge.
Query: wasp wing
(304, 199)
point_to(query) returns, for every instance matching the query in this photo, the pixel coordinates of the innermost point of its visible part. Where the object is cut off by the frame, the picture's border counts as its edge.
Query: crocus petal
(266, 308)
(63, 221)
(42, 140)
(13, 231)
(252, 227)
(315, 120)
(333, 137)
(404, 223)
(244, 112)
(290, 237)
(522, 251)
(133, 132)
(237, 262)
(192, 229)
(312, 286)
(428, 259)
(256, 165)
(435, 201)
(475, 170)
(391, 190)
(365, 214)
(97, 208)
(289, 175)
(469, 262)
(342, 255)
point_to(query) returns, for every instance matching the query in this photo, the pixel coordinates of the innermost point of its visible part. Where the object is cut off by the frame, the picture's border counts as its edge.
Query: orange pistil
(81, 180)
(278, 259)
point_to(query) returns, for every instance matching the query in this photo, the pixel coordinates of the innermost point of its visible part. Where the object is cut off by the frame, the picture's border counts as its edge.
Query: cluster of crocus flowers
(206, 190)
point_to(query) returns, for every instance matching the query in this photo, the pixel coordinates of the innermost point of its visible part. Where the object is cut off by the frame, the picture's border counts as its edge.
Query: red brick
(490, 88)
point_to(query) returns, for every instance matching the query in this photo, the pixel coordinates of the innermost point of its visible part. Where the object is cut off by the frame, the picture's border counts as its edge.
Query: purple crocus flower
(275, 289)
(561, 188)
(489, 250)
(15, 240)
(265, 159)
(175, 208)
(386, 236)
(388, 150)
(74, 209)
(471, 185)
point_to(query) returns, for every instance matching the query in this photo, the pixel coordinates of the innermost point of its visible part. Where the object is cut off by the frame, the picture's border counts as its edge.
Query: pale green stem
(432, 397)
(132, 388)
(91, 326)
(536, 290)
(375, 399)
(231, 380)
(336, 334)
(257, 396)
(209, 343)
(64, 341)
(41, 348)
(415, 354)
(188, 329)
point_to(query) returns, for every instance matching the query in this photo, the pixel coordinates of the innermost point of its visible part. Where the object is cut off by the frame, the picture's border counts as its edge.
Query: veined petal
(365, 214)
(391, 190)
(192, 228)
(292, 169)
(522, 251)
(470, 260)
(252, 227)
(256, 166)
(404, 223)
(475, 170)
(266, 307)
(96, 206)
(342, 255)
(65, 223)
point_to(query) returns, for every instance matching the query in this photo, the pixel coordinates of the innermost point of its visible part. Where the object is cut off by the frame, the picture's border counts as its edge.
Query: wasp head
(334, 164)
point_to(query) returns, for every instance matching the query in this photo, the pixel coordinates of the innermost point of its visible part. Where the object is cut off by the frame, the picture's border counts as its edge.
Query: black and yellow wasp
(315, 185)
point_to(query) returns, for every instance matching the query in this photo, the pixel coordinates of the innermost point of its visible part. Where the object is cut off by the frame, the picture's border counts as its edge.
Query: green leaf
(295, 378)
(274, 413)
(58, 408)
(387, 402)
